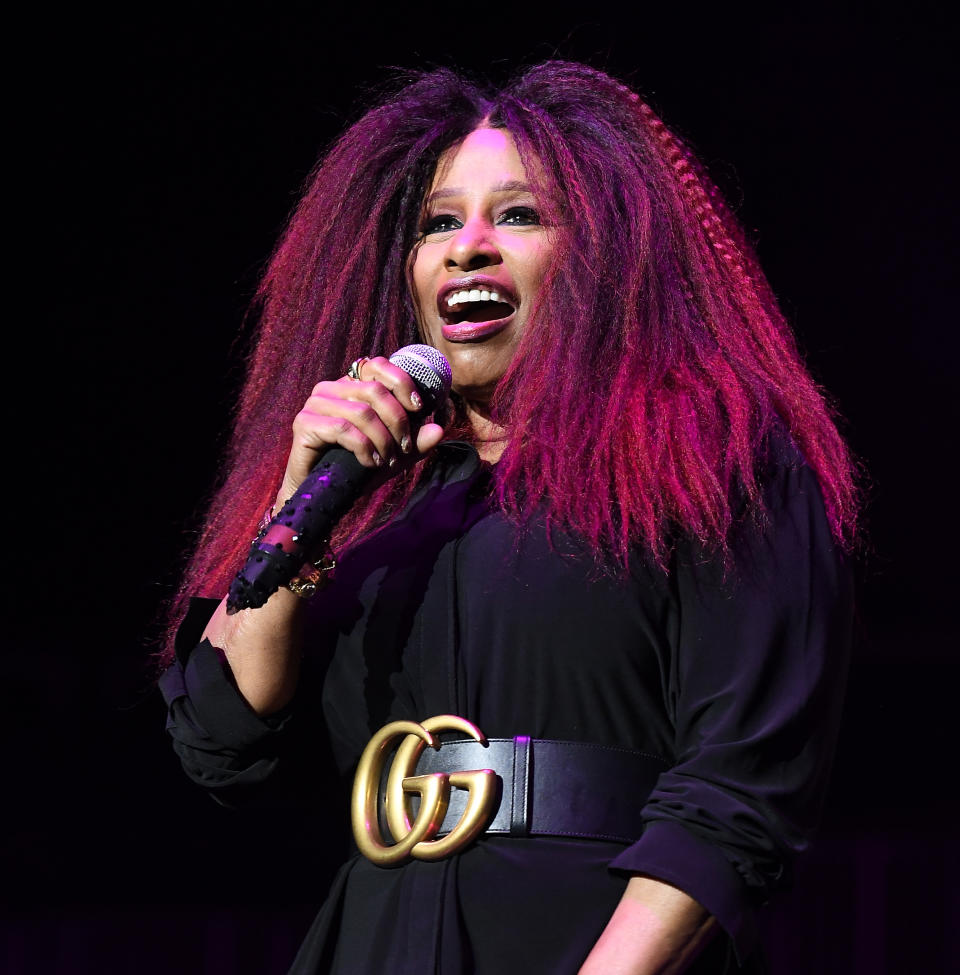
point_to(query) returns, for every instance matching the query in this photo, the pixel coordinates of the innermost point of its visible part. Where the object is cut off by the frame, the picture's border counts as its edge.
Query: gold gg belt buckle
(416, 840)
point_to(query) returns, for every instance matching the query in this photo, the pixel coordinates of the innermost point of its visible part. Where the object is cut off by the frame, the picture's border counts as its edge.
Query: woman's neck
(489, 437)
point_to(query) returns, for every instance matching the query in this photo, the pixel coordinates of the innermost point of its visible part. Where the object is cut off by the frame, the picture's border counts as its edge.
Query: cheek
(419, 290)
(424, 286)
(536, 262)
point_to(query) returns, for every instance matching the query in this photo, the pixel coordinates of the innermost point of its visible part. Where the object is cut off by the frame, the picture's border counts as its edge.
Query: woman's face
(481, 258)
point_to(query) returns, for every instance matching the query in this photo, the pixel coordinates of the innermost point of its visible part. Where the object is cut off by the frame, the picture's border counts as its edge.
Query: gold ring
(354, 371)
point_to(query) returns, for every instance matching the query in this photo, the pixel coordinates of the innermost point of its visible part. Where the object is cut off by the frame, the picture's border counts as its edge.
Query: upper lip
(475, 282)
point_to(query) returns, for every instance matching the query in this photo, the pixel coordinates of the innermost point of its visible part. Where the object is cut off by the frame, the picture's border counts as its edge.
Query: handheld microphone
(327, 493)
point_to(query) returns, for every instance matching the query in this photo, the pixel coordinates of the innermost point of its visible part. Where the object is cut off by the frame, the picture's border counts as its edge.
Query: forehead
(486, 156)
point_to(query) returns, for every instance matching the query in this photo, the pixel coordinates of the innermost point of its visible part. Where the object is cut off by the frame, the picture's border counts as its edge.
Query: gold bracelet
(312, 578)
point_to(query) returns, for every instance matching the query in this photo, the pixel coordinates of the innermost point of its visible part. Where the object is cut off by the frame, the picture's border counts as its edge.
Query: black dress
(733, 673)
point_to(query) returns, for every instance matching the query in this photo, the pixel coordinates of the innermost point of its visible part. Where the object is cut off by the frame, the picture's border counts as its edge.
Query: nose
(472, 247)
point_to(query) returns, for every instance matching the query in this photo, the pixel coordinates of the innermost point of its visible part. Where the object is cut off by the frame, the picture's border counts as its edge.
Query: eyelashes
(518, 216)
(439, 224)
(521, 217)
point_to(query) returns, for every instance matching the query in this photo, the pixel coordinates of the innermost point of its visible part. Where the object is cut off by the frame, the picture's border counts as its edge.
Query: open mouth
(475, 306)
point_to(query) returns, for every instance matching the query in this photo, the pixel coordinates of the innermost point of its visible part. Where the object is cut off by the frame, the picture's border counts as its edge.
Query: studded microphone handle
(306, 521)
(299, 529)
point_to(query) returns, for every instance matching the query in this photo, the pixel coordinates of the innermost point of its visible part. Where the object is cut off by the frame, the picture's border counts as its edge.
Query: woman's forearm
(263, 648)
(370, 418)
(656, 929)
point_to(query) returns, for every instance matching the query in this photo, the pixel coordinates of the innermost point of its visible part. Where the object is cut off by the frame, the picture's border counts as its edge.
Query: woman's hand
(370, 418)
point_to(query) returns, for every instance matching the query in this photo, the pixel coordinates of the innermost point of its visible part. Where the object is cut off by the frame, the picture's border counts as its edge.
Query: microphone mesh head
(427, 367)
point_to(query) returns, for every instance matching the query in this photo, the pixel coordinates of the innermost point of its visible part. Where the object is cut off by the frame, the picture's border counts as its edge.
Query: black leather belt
(434, 797)
(553, 788)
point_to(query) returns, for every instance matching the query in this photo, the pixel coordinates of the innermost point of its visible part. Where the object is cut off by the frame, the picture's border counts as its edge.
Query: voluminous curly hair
(649, 379)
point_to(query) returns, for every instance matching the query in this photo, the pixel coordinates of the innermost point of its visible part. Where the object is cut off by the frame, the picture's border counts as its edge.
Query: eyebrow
(508, 186)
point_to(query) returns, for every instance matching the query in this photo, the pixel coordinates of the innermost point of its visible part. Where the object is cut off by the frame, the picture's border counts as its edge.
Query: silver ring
(354, 371)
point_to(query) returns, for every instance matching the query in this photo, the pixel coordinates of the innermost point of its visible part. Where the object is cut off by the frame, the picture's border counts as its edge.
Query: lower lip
(474, 331)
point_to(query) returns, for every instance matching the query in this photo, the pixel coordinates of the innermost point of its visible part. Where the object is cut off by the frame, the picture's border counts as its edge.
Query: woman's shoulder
(778, 453)
(766, 517)
(784, 477)
(781, 476)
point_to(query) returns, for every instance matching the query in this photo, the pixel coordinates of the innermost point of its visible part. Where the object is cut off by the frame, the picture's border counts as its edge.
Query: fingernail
(415, 399)
(405, 443)
(391, 462)
(377, 459)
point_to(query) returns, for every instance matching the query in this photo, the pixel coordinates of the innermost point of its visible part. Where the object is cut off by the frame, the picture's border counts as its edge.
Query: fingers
(377, 427)
(394, 379)
(393, 395)
(341, 425)
(370, 418)
(428, 436)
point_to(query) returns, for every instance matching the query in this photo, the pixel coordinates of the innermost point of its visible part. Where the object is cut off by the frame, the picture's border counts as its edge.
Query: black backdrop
(161, 154)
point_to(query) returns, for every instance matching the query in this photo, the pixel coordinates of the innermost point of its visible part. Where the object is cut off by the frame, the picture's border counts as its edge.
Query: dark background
(161, 155)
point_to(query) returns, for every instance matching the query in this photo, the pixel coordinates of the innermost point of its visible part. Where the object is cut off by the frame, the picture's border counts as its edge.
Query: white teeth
(459, 297)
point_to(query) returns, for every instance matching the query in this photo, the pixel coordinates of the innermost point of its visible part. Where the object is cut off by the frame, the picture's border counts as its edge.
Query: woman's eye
(439, 224)
(520, 216)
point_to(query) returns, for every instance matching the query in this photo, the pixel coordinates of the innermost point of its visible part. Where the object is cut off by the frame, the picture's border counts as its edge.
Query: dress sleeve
(758, 675)
(222, 743)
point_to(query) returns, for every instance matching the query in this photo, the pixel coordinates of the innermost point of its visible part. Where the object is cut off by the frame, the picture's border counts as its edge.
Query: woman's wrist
(656, 929)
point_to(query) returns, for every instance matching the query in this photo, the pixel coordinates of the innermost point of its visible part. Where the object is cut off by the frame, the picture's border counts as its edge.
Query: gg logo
(416, 840)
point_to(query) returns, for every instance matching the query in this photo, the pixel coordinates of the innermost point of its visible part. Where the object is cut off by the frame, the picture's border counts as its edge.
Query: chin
(476, 373)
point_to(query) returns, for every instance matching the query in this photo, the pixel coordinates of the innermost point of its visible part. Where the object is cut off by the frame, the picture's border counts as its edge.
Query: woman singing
(615, 556)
